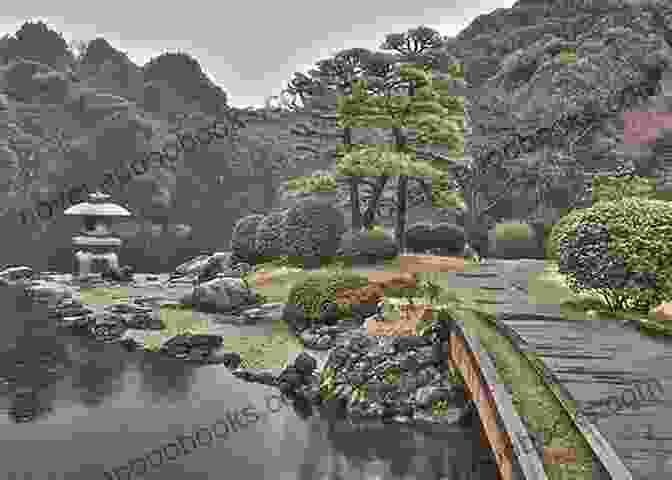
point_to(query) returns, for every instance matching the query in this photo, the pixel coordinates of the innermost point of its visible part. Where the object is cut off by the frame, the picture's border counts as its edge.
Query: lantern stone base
(89, 263)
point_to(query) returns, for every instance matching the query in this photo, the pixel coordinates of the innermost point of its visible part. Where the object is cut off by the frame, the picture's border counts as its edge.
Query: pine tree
(435, 116)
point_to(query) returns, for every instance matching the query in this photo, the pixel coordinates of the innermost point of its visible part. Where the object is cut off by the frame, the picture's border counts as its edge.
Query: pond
(71, 408)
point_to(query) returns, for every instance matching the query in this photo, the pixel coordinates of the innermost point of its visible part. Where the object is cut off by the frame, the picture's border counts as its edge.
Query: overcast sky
(250, 48)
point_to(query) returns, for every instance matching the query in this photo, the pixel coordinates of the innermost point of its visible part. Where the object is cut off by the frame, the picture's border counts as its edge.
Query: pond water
(71, 408)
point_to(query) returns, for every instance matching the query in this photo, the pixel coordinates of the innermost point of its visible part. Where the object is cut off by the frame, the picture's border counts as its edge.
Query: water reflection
(115, 405)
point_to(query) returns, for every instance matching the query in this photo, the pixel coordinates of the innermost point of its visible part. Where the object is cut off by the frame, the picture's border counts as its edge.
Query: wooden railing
(505, 432)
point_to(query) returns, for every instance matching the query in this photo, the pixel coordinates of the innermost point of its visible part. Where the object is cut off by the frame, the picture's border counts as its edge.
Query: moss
(392, 376)
(359, 393)
(440, 408)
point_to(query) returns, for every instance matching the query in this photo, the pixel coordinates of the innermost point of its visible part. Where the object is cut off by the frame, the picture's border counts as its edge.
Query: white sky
(248, 63)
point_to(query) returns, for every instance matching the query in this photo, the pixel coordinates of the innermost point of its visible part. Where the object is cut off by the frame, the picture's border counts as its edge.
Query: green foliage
(39, 43)
(327, 383)
(359, 393)
(319, 181)
(313, 231)
(440, 408)
(514, 240)
(269, 241)
(367, 246)
(319, 288)
(243, 238)
(562, 230)
(513, 231)
(640, 233)
(616, 188)
(418, 237)
(392, 376)
(448, 239)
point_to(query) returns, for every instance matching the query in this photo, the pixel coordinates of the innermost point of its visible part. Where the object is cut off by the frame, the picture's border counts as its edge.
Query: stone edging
(609, 466)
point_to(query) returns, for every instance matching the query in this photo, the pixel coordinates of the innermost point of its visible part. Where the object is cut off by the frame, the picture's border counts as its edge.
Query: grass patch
(103, 295)
(265, 352)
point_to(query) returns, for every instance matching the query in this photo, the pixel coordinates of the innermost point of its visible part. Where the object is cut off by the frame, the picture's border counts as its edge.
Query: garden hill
(108, 106)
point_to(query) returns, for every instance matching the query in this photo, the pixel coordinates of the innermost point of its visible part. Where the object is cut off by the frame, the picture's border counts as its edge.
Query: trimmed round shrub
(367, 247)
(561, 231)
(269, 243)
(319, 289)
(243, 239)
(313, 232)
(448, 239)
(19, 81)
(514, 240)
(418, 237)
(53, 86)
(622, 247)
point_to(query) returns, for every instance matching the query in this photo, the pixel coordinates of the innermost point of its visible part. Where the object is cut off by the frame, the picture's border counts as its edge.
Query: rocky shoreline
(364, 378)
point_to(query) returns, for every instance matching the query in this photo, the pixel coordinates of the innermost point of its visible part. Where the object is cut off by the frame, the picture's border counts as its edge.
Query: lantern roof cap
(97, 206)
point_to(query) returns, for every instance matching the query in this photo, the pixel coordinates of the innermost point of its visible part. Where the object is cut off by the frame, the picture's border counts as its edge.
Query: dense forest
(538, 127)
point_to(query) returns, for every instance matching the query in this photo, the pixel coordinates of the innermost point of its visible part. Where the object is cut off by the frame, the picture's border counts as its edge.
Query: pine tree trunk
(356, 213)
(402, 196)
(402, 189)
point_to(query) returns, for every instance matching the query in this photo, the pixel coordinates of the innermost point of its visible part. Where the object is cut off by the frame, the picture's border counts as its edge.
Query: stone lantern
(96, 245)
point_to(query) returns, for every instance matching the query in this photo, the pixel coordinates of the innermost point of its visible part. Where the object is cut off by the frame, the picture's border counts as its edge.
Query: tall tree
(435, 117)
(319, 92)
(36, 41)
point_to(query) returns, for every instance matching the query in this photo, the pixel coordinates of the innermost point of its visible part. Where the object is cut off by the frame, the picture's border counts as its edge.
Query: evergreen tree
(436, 117)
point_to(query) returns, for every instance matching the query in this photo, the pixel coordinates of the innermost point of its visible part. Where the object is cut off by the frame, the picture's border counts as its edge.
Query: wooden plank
(503, 428)
(498, 440)
(608, 464)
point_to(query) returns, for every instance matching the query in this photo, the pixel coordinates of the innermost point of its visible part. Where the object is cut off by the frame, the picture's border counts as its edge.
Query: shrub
(606, 189)
(448, 239)
(243, 238)
(269, 242)
(319, 288)
(621, 249)
(313, 231)
(367, 246)
(418, 237)
(19, 81)
(53, 86)
(513, 240)
(561, 231)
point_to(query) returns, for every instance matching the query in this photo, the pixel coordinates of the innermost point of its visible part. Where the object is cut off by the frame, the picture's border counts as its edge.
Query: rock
(148, 321)
(305, 364)
(50, 292)
(16, 276)
(329, 314)
(425, 396)
(362, 311)
(107, 326)
(230, 360)
(193, 347)
(123, 274)
(205, 267)
(222, 295)
(266, 313)
(295, 317)
(662, 313)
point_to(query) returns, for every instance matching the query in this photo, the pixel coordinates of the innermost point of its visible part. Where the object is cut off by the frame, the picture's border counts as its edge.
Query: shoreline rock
(367, 378)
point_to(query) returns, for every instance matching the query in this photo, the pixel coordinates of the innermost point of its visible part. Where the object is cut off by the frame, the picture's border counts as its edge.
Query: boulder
(295, 317)
(267, 313)
(50, 292)
(221, 295)
(205, 267)
(16, 275)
